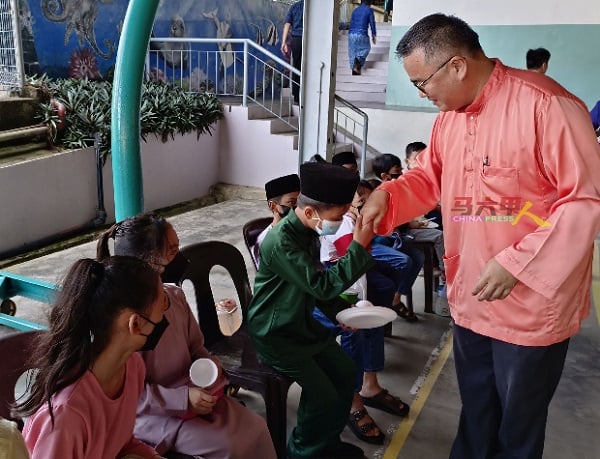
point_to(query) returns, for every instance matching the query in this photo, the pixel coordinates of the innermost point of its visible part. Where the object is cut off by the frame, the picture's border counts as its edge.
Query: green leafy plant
(165, 111)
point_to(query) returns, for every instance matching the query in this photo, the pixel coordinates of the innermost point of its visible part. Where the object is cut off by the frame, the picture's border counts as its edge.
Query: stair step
(345, 74)
(17, 112)
(366, 87)
(14, 151)
(20, 133)
(358, 97)
(375, 55)
(365, 78)
(279, 126)
(282, 108)
(369, 65)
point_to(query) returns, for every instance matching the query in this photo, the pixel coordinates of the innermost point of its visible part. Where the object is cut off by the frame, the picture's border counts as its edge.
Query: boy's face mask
(284, 210)
(328, 227)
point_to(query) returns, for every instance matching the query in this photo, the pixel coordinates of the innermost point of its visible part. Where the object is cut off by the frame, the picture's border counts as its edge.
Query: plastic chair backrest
(16, 348)
(203, 256)
(251, 231)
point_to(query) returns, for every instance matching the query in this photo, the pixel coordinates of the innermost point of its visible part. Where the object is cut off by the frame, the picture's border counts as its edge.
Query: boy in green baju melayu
(289, 284)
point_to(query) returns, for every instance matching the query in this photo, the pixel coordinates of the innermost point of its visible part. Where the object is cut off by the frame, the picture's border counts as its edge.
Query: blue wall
(80, 37)
(575, 61)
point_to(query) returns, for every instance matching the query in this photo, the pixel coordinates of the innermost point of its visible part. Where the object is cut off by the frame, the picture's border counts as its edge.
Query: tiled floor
(412, 357)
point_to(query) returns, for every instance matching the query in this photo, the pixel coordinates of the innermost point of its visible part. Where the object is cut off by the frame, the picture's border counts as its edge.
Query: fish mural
(80, 17)
(174, 54)
(56, 29)
(259, 39)
(272, 34)
(223, 31)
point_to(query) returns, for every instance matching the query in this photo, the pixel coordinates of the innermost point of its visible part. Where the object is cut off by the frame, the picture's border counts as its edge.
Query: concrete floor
(414, 356)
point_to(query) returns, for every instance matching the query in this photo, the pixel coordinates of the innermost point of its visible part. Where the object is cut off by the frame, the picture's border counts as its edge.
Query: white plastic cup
(204, 372)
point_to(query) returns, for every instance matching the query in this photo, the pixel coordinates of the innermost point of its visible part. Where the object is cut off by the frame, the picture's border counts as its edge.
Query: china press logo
(508, 209)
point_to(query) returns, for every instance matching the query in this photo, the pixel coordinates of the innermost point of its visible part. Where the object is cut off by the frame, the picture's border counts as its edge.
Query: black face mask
(174, 271)
(285, 210)
(153, 338)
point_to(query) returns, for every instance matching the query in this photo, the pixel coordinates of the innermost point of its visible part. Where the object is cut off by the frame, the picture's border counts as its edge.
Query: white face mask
(328, 227)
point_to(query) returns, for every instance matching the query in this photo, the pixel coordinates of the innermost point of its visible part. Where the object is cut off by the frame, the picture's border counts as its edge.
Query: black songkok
(282, 185)
(327, 183)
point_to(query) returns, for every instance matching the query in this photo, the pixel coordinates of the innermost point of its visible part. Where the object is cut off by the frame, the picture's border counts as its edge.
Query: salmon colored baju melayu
(519, 184)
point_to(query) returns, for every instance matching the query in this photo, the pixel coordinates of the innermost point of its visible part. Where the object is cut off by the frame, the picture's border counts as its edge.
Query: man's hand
(495, 282)
(375, 208)
(374, 40)
(284, 48)
(363, 234)
(201, 402)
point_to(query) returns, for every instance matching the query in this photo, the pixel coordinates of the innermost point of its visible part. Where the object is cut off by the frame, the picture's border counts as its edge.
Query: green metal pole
(126, 98)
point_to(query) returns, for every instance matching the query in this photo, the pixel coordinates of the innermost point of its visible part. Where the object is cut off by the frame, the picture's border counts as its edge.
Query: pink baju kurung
(519, 183)
(230, 431)
(88, 424)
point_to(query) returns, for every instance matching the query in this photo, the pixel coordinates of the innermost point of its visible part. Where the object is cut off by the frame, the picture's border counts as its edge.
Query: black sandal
(387, 402)
(361, 431)
(404, 312)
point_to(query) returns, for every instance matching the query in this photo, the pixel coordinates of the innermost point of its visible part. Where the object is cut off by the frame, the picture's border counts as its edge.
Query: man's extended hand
(495, 282)
(363, 234)
(375, 208)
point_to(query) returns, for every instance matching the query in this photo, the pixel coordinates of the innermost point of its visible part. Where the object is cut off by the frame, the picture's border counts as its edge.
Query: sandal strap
(357, 415)
(391, 398)
(366, 428)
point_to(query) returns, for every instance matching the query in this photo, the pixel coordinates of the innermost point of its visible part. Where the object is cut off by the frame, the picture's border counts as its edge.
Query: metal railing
(227, 67)
(351, 125)
(11, 55)
(238, 67)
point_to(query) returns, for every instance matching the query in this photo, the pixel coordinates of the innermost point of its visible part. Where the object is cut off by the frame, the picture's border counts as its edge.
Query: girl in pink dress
(173, 414)
(82, 403)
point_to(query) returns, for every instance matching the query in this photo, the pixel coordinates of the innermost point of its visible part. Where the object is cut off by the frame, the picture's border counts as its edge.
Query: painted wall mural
(79, 38)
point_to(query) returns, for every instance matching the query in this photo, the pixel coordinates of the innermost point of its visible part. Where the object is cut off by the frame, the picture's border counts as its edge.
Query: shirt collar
(299, 226)
(496, 78)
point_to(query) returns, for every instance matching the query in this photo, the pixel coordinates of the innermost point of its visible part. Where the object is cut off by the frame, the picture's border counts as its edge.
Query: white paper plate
(366, 316)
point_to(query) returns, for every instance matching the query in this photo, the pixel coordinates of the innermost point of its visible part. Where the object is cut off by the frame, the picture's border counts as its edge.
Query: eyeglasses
(420, 84)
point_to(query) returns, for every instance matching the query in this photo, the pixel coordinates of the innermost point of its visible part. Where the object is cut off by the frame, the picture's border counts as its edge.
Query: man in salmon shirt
(514, 160)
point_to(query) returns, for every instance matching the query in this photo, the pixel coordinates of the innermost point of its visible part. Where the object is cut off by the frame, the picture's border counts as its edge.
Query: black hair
(383, 163)
(92, 295)
(440, 36)
(374, 182)
(414, 146)
(537, 57)
(364, 185)
(143, 236)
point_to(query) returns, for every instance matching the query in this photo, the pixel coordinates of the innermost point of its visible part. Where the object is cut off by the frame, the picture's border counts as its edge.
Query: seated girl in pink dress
(82, 403)
(173, 414)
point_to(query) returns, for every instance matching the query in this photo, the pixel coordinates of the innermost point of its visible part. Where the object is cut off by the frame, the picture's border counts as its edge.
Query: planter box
(53, 194)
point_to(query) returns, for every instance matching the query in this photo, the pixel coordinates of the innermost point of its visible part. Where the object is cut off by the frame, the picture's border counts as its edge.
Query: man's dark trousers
(297, 61)
(505, 391)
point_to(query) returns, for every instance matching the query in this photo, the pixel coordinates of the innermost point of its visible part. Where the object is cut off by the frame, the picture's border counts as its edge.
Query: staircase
(280, 114)
(20, 138)
(368, 89)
